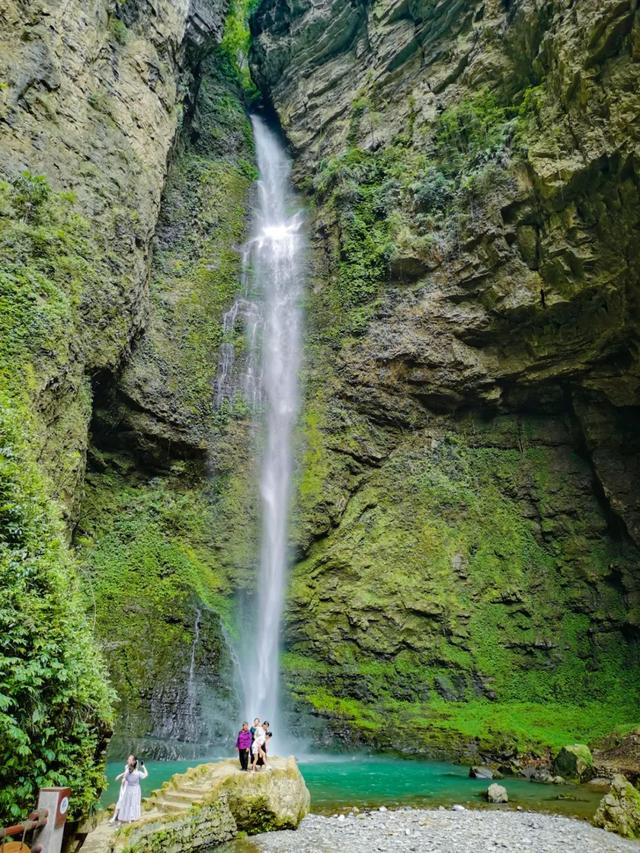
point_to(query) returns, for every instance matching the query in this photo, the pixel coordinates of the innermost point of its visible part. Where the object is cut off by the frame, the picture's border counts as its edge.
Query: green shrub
(54, 700)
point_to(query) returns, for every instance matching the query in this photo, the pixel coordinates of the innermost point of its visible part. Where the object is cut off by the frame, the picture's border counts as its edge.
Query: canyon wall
(468, 526)
(95, 98)
(468, 519)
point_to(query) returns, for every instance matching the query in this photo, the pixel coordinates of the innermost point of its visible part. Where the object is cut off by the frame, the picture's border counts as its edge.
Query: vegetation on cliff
(458, 546)
(169, 475)
(55, 705)
(65, 284)
(467, 527)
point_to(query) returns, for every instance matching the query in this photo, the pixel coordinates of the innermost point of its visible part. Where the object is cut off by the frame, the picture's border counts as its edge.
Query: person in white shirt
(257, 747)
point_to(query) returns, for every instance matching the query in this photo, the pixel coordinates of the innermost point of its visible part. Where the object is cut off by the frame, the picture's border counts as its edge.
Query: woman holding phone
(130, 799)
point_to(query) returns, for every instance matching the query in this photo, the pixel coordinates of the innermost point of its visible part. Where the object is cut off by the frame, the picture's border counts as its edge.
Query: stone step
(164, 805)
(178, 796)
(191, 790)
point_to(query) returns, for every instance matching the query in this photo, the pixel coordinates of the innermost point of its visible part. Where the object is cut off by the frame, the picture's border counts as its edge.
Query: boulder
(480, 773)
(619, 810)
(182, 832)
(211, 803)
(574, 762)
(497, 794)
(599, 783)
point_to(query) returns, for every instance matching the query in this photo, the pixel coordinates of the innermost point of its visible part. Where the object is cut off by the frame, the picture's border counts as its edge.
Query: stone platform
(208, 805)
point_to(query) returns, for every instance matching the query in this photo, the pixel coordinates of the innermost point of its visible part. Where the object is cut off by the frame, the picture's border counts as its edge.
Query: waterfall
(191, 705)
(274, 262)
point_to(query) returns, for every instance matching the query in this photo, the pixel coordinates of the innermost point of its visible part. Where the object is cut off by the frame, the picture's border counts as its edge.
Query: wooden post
(56, 802)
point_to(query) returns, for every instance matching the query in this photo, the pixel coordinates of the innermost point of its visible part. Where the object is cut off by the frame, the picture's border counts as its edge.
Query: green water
(339, 782)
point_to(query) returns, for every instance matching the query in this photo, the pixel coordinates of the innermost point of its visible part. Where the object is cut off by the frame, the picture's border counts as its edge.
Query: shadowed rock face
(158, 531)
(474, 172)
(91, 95)
(90, 100)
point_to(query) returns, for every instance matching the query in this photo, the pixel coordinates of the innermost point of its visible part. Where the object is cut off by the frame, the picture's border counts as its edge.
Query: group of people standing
(252, 744)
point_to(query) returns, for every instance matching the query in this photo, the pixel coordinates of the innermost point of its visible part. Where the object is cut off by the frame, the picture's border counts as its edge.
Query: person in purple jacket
(243, 745)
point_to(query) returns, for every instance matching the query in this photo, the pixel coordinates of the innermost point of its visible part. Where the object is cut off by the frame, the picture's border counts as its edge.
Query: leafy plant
(55, 705)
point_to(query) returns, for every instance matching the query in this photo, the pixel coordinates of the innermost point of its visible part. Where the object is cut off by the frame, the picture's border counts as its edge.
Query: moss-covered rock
(619, 810)
(574, 762)
(90, 101)
(454, 591)
(211, 802)
(197, 829)
(169, 475)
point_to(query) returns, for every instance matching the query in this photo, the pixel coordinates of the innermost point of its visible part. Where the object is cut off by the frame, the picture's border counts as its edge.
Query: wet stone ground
(442, 831)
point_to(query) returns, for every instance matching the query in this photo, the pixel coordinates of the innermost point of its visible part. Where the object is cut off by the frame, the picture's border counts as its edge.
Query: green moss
(315, 468)
(195, 279)
(443, 597)
(158, 549)
(149, 562)
(236, 42)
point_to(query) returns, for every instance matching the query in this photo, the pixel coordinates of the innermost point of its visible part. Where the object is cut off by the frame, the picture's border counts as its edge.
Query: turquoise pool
(337, 782)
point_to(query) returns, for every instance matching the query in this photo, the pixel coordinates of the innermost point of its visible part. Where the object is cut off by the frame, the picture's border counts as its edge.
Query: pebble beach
(443, 831)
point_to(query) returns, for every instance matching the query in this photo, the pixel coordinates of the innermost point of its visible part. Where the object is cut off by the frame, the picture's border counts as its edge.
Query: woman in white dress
(259, 737)
(130, 799)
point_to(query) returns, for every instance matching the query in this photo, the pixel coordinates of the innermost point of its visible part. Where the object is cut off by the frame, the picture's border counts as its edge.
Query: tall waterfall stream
(269, 308)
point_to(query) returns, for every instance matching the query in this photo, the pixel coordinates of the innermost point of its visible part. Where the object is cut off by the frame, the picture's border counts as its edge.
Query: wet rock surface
(453, 832)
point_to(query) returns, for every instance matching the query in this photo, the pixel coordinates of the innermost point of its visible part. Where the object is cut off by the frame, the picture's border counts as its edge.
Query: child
(243, 745)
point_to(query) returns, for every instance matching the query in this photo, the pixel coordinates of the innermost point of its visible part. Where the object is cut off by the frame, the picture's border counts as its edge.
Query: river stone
(480, 773)
(619, 810)
(497, 794)
(574, 762)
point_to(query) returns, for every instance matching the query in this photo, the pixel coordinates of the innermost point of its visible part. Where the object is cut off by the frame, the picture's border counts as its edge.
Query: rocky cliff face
(92, 95)
(469, 506)
(468, 516)
(91, 98)
(168, 473)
